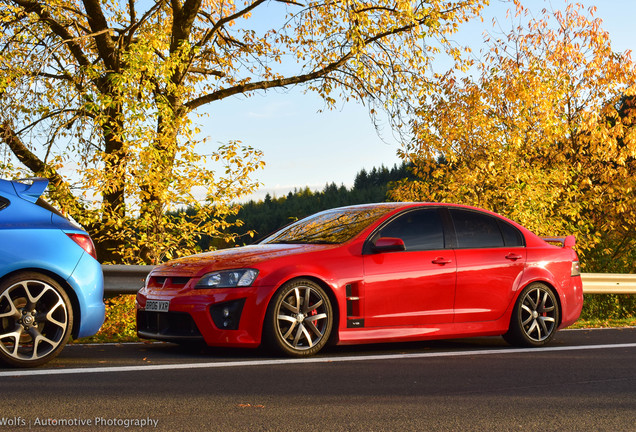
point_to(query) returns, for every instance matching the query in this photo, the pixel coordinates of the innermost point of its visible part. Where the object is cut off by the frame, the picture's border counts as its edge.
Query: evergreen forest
(266, 216)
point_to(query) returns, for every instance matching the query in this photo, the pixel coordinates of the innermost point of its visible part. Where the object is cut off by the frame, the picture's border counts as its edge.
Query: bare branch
(99, 26)
(204, 71)
(263, 85)
(220, 23)
(38, 167)
(291, 2)
(57, 28)
(282, 82)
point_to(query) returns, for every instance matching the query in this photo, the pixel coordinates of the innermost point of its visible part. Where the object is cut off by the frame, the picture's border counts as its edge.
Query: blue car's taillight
(85, 242)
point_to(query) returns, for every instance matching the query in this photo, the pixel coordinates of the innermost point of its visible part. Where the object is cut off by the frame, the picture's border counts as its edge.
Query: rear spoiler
(567, 242)
(30, 189)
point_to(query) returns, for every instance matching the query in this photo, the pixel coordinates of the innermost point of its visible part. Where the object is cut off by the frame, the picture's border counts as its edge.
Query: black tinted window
(420, 230)
(3, 203)
(476, 230)
(511, 235)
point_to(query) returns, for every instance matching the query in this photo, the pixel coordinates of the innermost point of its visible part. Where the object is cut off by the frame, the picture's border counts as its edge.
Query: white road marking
(270, 362)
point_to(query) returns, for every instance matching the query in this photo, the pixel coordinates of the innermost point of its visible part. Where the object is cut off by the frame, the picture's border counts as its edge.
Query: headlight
(228, 279)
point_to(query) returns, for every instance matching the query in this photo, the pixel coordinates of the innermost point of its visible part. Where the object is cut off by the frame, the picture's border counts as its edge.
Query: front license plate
(157, 305)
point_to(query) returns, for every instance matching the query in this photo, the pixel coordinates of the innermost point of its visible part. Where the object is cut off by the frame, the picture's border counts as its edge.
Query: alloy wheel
(299, 319)
(302, 317)
(538, 314)
(35, 320)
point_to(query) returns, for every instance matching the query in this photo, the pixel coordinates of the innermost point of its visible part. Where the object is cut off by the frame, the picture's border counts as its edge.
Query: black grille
(167, 326)
(227, 316)
(172, 280)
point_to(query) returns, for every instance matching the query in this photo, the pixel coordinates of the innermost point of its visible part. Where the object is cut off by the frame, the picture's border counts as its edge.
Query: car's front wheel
(36, 319)
(535, 318)
(299, 319)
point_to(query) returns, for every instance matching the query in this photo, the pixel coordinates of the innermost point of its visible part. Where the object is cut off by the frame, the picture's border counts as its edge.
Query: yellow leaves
(120, 320)
(124, 116)
(544, 134)
(244, 405)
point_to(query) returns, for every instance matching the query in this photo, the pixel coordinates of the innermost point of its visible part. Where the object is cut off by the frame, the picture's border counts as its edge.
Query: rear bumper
(572, 303)
(87, 281)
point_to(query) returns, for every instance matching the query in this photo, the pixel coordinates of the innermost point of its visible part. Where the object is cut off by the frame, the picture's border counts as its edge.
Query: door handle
(513, 256)
(441, 261)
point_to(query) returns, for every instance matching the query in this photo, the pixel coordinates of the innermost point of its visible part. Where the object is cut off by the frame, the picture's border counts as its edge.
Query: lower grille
(167, 326)
(226, 316)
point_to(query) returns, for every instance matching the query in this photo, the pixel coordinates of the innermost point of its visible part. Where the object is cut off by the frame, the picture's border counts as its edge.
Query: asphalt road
(584, 381)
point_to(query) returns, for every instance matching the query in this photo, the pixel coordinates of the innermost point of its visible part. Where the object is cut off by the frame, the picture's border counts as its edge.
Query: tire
(299, 319)
(535, 318)
(36, 319)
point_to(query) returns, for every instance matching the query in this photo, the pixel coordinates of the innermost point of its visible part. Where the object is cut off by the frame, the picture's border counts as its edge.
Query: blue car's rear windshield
(45, 205)
(329, 227)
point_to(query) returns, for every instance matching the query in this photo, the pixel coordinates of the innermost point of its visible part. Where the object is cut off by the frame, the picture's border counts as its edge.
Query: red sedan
(370, 273)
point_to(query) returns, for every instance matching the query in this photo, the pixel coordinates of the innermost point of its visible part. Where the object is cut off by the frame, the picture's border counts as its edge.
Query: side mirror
(388, 244)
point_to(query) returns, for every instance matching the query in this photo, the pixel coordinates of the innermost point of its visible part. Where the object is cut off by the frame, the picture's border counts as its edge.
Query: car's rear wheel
(535, 318)
(36, 319)
(299, 319)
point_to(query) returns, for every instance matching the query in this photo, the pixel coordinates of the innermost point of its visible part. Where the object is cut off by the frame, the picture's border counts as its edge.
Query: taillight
(576, 269)
(85, 243)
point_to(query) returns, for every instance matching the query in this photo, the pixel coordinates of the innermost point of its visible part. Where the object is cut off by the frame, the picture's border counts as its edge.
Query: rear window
(511, 235)
(478, 230)
(45, 205)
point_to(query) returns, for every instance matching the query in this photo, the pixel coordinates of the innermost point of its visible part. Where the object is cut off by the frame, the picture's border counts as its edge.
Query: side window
(419, 229)
(511, 235)
(476, 230)
(3, 203)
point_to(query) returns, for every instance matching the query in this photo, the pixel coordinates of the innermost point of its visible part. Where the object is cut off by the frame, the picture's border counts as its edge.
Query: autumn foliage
(120, 323)
(543, 131)
(102, 98)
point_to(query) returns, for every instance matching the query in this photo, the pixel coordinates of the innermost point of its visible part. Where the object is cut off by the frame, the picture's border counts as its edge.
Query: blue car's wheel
(36, 319)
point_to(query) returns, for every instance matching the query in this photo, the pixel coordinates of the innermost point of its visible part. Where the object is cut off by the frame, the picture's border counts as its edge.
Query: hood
(234, 258)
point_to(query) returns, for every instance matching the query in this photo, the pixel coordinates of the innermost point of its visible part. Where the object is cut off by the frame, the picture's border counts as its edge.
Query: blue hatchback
(51, 285)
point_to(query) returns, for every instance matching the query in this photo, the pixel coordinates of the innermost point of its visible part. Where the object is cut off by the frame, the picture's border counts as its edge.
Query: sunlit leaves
(543, 132)
(105, 95)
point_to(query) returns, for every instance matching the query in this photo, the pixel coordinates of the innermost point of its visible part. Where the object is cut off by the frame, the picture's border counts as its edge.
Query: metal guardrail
(128, 279)
(124, 279)
(608, 283)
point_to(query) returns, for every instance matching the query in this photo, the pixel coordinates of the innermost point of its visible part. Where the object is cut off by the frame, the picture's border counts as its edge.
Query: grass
(603, 323)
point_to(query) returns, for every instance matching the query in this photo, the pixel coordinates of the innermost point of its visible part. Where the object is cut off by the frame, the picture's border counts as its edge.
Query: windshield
(329, 227)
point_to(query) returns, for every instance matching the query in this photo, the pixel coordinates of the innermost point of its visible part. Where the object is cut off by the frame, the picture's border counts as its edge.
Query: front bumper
(167, 326)
(220, 317)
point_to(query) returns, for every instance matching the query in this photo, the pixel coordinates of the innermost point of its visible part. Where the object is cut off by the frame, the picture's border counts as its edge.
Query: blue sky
(305, 147)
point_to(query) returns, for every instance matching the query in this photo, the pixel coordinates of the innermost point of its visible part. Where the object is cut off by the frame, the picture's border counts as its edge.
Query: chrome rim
(538, 314)
(33, 320)
(302, 317)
